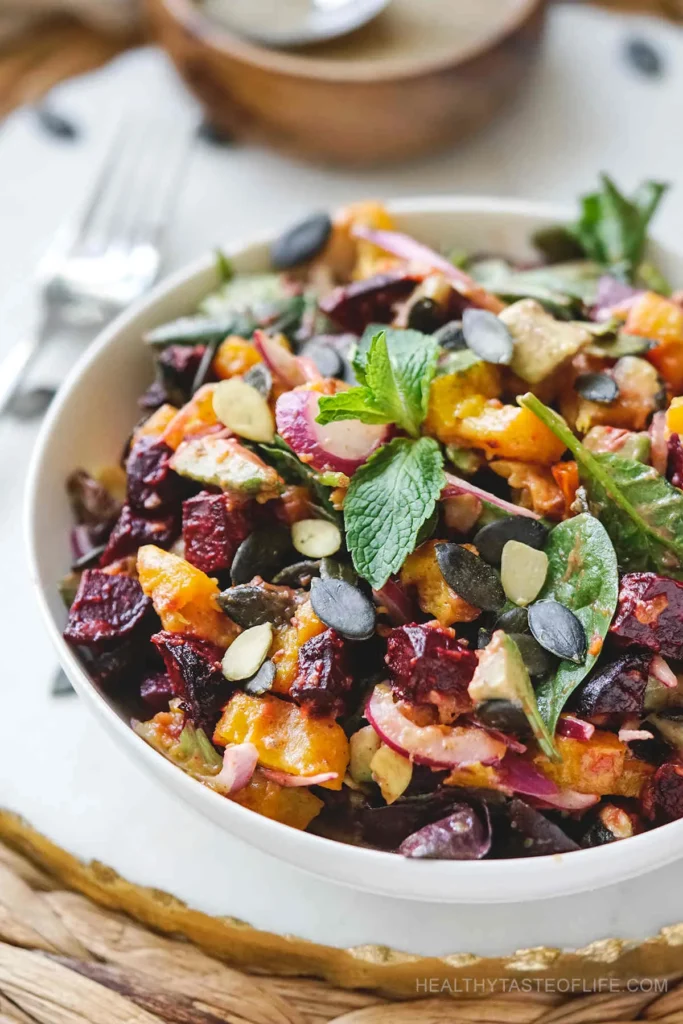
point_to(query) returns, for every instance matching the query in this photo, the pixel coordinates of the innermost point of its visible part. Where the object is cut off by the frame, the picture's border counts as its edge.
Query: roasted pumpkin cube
(653, 316)
(601, 765)
(235, 357)
(183, 596)
(674, 416)
(434, 596)
(287, 643)
(156, 424)
(456, 395)
(509, 432)
(640, 392)
(286, 738)
(296, 806)
(535, 487)
(195, 418)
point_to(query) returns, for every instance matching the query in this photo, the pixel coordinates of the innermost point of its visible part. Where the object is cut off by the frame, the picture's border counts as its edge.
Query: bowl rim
(378, 872)
(200, 28)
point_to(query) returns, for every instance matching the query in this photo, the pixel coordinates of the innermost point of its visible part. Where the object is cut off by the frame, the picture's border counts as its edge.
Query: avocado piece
(363, 746)
(541, 343)
(223, 462)
(502, 675)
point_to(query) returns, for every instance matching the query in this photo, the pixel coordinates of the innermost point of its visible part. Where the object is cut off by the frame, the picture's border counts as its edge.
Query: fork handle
(14, 366)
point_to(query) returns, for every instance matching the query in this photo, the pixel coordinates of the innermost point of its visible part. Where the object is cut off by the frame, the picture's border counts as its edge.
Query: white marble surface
(583, 111)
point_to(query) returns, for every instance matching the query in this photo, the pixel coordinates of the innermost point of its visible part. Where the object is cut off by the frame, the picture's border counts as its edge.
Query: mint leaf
(389, 499)
(395, 372)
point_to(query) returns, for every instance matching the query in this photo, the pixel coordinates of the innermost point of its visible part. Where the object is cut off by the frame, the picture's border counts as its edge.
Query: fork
(110, 254)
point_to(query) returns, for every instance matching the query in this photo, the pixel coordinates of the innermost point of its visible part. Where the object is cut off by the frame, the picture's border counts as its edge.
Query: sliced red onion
(463, 835)
(81, 541)
(291, 781)
(456, 485)
(575, 728)
(393, 597)
(341, 447)
(568, 800)
(522, 776)
(662, 672)
(511, 742)
(461, 511)
(613, 297)
(290, 369)
(659, 444)
(407, 248)
(438, 746)
(629, 735)
(239, 763)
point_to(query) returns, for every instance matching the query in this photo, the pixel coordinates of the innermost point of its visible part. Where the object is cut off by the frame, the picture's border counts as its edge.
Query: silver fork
(111, 254)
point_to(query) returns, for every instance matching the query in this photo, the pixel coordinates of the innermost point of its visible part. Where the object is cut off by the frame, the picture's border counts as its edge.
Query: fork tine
(82, 227)
(115, 191)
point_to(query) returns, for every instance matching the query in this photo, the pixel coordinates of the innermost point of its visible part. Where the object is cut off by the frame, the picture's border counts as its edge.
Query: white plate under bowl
(87, 426)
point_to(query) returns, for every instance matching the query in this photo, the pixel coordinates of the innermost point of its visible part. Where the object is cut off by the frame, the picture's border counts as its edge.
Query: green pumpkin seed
(558, 630)
(492, 538)
(247, 652)
(249, 605)
(523, 570)
(316, 538)
(470, 577)
(343, 608)
(262, 681)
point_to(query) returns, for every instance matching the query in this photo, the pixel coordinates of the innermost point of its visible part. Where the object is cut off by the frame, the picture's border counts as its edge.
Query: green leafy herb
(612, 230)
(224, 266)
(562, 288)
(583, 576)
(282, 458)
(528, 699)
(642, 511)
(395, 376)
(389, 499)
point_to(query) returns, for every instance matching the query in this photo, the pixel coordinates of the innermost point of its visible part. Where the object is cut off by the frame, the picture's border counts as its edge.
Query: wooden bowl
(408, 83)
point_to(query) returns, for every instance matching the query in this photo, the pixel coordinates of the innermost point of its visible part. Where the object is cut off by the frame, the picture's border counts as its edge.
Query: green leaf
(562, 288)
(395, 372)
(282, 458)
(642, 511)
(528, 699)
(612, 229)
(224, 266)
(583, 576)
(389, 499)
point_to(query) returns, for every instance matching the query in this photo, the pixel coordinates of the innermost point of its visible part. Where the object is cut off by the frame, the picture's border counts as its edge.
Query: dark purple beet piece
(534, 835)
(92, 504)
(194, 667)
(155, 395)
(114, 667)
(674, 464)
(663, 797)
(650, 613)
(106, 609)
(132, 530)
(156, 690)
(615, 689)
(427, 662)
(354, 306)
(177, 367)
(463, 835)
(323, 682)
(153, 487)
(214, 525)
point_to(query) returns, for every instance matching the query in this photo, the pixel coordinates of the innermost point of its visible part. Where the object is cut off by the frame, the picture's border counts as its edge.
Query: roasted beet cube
(92, 504)
(428, 664)
(132, 530)
(153, 487)
(214, 525)
(674, 464)
(650, 613)
(116, 666)
(194, 668)
(615, 689)
(663, 797)
(354, 306)
(106, 609)
(177, 367)
(323, 682)
(155, 395)
(157, 689)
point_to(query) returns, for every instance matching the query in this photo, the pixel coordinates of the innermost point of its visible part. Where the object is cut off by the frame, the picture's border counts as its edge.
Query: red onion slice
(575, 728)
(456, 485)
(292, 781)
(341, 447)
(407, 248)
(662, 672)
(659, 445)
(291, 370)
(522, 776)
(613, 298)
(629, 735)
(239, 763)
(439, 746)
(568, 800)
(393, 597)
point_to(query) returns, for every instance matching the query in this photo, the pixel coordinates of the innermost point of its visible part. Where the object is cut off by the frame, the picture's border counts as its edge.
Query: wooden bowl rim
(215, 37)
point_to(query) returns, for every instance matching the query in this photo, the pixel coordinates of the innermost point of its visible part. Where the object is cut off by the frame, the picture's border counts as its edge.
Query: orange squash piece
(508, 432)
(284, 651)
(434, 596)
(661, 319)
(457, 395)
(184, 598)
(601, 765)
(296, 807)
(536, 486)
(566, 476)
(234, 357)
(157, 423)
(674, 416)
(287, 739)
(194, 419)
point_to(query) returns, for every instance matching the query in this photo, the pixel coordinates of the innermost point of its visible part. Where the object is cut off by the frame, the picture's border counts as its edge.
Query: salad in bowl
(395, 552)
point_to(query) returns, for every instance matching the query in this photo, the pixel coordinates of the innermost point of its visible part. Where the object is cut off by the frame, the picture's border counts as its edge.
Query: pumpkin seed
(558, 630)
(523, 570)
(539, 663)
(259, 377)
(504, 715)
(343, 608)
(333, 569)
(298, 575)
(262, 681)
(492, 538)
(247, 652)
(470, 577)
(205, 364)
(263, 553)
(89, 559)
(597, 387)
(487, 336)
(249, 605)
(316, 538)
(450, 336)
(513, 621)
(327, 359)
(623, 345)
(483, 638)
(424, 316)
(301, 242)
(244, 410)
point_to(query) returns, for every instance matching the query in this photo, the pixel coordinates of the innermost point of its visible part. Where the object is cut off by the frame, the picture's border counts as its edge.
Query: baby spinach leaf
(562, 288)
(389, 499)
(582, 576)
(281, 457)
(642, 511)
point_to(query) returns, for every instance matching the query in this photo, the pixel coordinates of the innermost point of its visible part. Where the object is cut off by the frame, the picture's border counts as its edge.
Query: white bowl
(87, 426)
